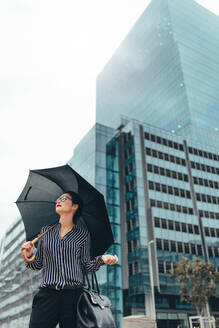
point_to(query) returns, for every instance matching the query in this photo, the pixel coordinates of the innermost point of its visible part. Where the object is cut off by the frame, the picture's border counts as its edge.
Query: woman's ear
(75, 206)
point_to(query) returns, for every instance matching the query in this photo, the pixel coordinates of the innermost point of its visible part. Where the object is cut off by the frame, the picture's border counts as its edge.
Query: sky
(50, 55)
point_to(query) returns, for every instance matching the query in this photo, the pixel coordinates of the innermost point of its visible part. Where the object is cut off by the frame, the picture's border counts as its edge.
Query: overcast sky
(50, 54)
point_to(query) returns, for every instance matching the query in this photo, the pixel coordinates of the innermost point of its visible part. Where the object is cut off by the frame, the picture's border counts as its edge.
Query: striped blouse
(62, 259)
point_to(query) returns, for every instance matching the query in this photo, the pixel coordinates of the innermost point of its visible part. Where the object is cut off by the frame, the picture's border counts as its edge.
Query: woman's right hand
(29, 246)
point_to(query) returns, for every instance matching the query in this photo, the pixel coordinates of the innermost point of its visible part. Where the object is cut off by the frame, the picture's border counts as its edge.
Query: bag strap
(85, 278)
(94, 281)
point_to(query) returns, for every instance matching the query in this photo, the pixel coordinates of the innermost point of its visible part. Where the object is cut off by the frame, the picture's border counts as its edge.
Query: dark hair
(76, 199)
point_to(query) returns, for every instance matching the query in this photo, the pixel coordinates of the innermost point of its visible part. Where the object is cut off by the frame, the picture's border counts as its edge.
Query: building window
(159, 243)
(207, 232)
(166, 205)
(186, 247)
(134, 225)
(169, 189)
(213, 232)
(184, 229)
(165, 156)
(128, 225)
(168, 173)
(157, 222)
(170, 224)
(129, 247)
(135, 244)
(136, 268)
(148, 151)
(130, 269)
(177, 226)
(203, 154)
(193, 249)
(161, 267)
(168, 267)
(173, 246)
(172, 207)
(216, 254)
(164, 223)
(157, 186)
(199, 249)
(166, 245)
(159, 204)
(205, 168)
(190, 228)
(164, 188)
(149, 167)
(147, 136)
(210, 252)
(180, 247)
(163, 141)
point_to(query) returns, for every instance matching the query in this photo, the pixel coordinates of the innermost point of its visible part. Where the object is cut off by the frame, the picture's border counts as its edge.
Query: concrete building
(163, 189)
(17, 284)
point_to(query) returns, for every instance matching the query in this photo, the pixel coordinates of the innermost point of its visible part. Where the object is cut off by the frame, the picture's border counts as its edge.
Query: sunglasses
(62, 199)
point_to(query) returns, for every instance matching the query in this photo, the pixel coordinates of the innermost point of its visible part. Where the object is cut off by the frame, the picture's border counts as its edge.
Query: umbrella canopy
(36, 204)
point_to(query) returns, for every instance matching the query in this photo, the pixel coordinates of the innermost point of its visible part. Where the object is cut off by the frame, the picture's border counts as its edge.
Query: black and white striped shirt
(62, 259)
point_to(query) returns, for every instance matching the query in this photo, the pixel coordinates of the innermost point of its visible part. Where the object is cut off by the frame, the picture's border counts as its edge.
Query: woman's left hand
(109, 259)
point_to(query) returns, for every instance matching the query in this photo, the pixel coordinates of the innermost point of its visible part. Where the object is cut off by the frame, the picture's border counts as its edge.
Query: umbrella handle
(27, 259)
(35, 240)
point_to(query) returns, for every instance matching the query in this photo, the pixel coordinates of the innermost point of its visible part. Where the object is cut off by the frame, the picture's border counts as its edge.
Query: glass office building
(165, 191)
(166, 72)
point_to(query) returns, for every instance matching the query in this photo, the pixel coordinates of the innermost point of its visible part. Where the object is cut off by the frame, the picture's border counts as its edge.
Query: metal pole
(152, 282)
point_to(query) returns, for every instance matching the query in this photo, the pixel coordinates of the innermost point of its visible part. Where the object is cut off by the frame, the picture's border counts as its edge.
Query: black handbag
(93, 309)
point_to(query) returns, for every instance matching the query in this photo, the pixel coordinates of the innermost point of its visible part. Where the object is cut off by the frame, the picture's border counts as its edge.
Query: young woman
(62, 253)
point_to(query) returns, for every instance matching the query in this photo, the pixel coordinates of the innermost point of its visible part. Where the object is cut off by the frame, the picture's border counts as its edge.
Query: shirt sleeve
(90, 265)
(37, 263)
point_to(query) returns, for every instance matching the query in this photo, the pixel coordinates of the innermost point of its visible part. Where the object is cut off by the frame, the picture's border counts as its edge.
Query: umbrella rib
(35, 201)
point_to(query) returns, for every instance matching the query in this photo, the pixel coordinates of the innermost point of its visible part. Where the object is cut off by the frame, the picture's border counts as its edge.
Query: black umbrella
(36, 204)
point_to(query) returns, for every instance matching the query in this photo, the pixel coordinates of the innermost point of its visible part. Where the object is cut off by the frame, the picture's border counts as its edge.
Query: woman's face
(64, 204)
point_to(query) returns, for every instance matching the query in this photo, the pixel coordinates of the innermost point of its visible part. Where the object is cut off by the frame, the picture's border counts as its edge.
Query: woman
(61, 253)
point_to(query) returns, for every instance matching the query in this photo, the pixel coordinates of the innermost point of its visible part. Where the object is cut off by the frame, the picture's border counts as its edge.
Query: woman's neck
(66, 221)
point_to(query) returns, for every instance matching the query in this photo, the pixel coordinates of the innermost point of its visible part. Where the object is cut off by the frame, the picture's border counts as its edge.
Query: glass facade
(114, 276)
(166, 72)
(171, 199)
(89, 160)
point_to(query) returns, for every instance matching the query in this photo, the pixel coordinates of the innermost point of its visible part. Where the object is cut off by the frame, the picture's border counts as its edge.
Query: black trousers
(51, 307)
